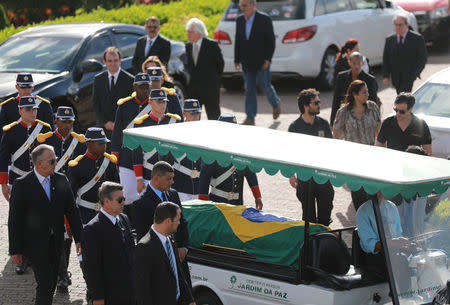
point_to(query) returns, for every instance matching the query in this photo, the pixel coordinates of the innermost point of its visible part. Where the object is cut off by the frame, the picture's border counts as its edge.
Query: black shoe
(63, 283)
(20, 269)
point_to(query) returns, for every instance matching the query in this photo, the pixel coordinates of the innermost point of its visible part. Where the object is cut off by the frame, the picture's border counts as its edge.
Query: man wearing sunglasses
(152, 44)
(39, 201)
(17, 142)
(86, 174)
(66, 144)
(310, 123)
(404, 128)
(109, 250)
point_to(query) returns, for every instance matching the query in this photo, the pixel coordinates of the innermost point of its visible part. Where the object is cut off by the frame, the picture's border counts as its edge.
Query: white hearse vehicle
(317, 267)
(309, 33)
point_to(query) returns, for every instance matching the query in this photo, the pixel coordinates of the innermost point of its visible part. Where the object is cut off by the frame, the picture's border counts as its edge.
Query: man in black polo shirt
(404, 128)
(311, 124)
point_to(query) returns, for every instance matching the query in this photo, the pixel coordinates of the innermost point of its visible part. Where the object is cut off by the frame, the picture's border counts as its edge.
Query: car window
(432, 99)
(126, 42)
(276, 9)
(365, 4)
(333, 6)
(96, 47)
(320, 8)
(38, 54)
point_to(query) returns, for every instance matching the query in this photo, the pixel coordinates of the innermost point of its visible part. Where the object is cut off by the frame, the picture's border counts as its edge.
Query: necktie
(46, 186)
(164, 196)
(148, 47)
(195, 53)
(121, 228)
(112, 82)
(173, 264)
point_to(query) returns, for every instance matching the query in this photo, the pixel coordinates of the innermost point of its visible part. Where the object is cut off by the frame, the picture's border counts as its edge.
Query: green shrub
(173, 16)
(4, 22)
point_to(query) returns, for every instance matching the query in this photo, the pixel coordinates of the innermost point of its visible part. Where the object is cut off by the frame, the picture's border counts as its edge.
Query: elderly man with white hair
(205, 65)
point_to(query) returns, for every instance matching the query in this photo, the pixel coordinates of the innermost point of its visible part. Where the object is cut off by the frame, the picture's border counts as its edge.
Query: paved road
(278, 196)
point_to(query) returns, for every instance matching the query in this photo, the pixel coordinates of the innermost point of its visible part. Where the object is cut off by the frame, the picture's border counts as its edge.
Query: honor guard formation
(122, 206)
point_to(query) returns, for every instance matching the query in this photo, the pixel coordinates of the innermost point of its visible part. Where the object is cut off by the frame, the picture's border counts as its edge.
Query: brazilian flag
(264, 236)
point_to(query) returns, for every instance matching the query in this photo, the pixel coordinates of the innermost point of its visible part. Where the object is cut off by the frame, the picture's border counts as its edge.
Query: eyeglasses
(399, 110)
(315, 103)
(151, 27)
(399, 24)
(120, 199)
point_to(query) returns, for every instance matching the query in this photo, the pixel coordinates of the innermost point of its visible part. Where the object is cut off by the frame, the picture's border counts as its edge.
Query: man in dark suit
(205, 66)
(38, 203)
(253, 49)
(344, 80)
(152, 44)
(157, 191)
(109, 86)
(109, 250)
(404, 56)
(159, 277)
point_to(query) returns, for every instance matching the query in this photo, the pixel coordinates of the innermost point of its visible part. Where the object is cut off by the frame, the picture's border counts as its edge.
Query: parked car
(309, 33)
(64, 59)
(432, 18)
(433, 105)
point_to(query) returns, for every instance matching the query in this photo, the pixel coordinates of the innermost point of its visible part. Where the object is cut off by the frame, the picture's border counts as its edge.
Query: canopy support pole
(305, 257)
(381, 233)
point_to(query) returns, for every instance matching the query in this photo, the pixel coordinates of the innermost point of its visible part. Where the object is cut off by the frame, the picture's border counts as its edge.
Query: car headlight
(439, 12)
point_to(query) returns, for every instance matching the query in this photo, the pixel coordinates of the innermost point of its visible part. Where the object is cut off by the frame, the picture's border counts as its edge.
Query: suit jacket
(144, 210)
(105, 100)
(33, 218)
(160, 48)
(109, 260)
(343, 81)
(405, 60)
(259, 47)
(205, 75)
(155, 280)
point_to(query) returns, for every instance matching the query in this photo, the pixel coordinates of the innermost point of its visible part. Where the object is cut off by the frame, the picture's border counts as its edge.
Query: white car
(309, 33)
(433, 105)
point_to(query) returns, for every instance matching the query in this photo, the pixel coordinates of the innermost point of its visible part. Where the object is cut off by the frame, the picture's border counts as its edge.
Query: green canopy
(341, 162)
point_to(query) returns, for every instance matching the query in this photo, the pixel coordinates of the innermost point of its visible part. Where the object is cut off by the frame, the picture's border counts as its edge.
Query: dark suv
(64, 59)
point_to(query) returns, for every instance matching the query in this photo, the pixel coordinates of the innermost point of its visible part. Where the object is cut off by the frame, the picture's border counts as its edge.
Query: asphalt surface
(278, 196)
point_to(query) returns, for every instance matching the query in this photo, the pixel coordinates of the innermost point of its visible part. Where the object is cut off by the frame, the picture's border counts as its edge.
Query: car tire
(326, 76)
(207, 298)
(232, 84)
(180, 89)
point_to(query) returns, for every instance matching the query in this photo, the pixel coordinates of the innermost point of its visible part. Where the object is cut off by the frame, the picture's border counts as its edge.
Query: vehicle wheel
(326, 76)
(207, 298)
(232, 84)
(181, 91)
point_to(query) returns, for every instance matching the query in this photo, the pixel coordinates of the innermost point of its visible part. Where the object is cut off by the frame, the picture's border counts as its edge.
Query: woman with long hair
(358, 120)
(153, 61)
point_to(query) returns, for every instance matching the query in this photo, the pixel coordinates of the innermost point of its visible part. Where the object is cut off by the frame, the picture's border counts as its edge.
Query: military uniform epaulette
(79, 137)
(123, 100)
(111, 158)
(74, 162)
(141, 119)
(44, 136)
(43, 99)
(8, 100)
(9, 126)
(43, 123)
(175, 116)
(169, 91)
